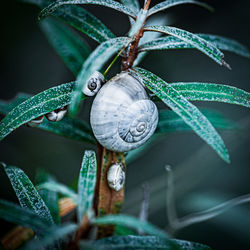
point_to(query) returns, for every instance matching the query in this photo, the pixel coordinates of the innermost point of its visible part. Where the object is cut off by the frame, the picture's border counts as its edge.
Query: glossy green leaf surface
(94, 63)
(79, 19)
(86, 184)
(106, 3)
(58, 188)
(195, 91)
(146, 242)
(70, 128)
(132, 4)
(170, 42)
(170, 3)
(22, 216)
(187, 111)
(197, 42)
(67, 43)
(27, 194)
(52, 236)
(130, 222)
(36, 106)
(49, 197)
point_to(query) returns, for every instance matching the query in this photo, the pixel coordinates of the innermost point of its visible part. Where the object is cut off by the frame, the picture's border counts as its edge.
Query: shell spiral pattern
(122, 116)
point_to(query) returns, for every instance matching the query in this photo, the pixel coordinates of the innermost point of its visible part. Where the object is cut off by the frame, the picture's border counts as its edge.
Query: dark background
(29, 64)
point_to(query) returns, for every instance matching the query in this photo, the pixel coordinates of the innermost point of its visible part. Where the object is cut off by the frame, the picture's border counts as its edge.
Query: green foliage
(27, 194)
(86, 184)
(187, 111)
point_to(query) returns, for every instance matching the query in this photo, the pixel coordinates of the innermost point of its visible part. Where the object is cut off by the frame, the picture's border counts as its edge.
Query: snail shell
(116, 176)
(35, 122)
(94, 84)
(122, 116)
(57, 115)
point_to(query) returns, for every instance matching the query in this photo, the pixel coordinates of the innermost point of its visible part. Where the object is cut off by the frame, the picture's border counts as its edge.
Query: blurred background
(30, 65)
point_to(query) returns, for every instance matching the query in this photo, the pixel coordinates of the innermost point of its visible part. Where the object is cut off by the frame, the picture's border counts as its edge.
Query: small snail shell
(116, 176)
(94, 84)
(57, 115)
(122, 116)
(35, 122)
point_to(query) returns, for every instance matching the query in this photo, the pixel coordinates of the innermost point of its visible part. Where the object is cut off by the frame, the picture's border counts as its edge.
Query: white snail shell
(122, 116)
(57, 115)
(93, 84)
(116, 176)
(35, 122)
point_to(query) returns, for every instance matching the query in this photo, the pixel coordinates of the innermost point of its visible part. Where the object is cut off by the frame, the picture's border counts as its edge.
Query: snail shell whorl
(116, 176)
(122, 116)
(94, 83)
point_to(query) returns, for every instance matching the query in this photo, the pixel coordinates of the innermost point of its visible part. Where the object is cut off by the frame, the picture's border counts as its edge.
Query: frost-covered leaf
(52, 236)
(70, 128)
(95, 62)
(197, 42)
(171, 42)
(67, 43)
(146, 242)
(196, 91)
(140, 20)
(27, 194)
(49, 197)
(80, 19)
(170, 3)
(58, 188)
(36, 106)
(187, 111)
(132, 4)
(22, 216)
(86, 184)
(107, 3)
(130, 222)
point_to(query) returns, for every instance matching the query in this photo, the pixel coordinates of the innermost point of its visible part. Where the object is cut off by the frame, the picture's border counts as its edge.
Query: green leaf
(58, 188)
(79, 19)
(49, 197)
(70, 128)
(27, 194)
(36, 106)
(146, 242)
(95, 62)
(22, 216)
(107, 3)
(187, 111)
(132, 4)
(170, 3)
(197, 42)
(68, 44)
(195, 91)
(52, 235)
(86, 184)
(130, 222)
(171, 42)
(140, 20)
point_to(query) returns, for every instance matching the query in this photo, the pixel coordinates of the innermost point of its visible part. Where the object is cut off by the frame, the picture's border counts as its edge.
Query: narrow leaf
(195, 91)
(140, 20)
(27, 194)
(79, 19)
(52, 236)
(70, 128)
(107, 3)
(58, 188)
(22, 216)
(170, 3)
(67, 43)
(197, 42)
(187, 111)
(130, 222)
(146, 242)
(49, 197)
(132, 4)
(170, 42)
(86, 184)
(95, 62)
(36, 106)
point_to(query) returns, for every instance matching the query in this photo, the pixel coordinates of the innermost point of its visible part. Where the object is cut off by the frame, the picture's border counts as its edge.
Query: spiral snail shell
(122, 116)
(57, 115)
(116, 176)
(94, 84)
